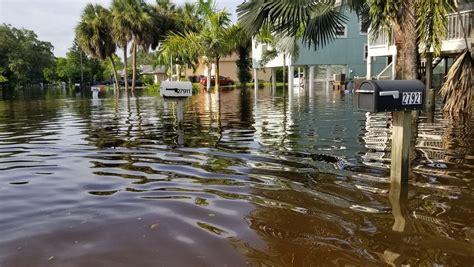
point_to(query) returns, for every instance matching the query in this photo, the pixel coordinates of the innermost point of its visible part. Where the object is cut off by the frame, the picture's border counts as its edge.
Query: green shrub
(153, 87)
(147, 79)
(197, 88)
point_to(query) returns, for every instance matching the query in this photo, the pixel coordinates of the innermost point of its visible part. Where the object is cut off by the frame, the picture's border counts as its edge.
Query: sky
(54, 20)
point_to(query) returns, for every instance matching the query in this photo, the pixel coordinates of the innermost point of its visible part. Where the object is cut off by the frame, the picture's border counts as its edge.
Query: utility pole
(82, 71)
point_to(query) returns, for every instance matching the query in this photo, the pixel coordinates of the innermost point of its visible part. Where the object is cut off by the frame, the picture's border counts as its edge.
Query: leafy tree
(213, 41)
(68, 69)
(22, 56)
(108, 68)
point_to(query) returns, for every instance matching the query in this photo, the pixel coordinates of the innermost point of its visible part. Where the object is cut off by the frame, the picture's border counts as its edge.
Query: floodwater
(229, 179)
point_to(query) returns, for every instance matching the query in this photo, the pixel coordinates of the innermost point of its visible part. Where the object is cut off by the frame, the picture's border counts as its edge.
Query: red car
(224, 81)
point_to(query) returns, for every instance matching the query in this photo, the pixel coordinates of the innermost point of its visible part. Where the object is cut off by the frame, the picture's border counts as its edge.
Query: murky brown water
(244, 181)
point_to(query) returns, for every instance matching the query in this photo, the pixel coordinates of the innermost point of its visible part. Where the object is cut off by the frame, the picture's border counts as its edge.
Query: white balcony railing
(383, 39)
(456, 23)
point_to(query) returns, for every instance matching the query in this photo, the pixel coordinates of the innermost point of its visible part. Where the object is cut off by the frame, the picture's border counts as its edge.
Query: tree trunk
(284, 70)
(125, 78)
(216, 74)
(134, 64)
(116, 81)
(406, 65)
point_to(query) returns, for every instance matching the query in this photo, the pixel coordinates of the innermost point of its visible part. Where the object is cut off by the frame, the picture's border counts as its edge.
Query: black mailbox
(393, 95)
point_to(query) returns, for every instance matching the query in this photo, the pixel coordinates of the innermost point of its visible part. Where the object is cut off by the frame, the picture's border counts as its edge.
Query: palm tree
(415, 24)
(243, 47)
(132, 22)
(171, 18)
(94, 35)
(122, 29)
(213, 41)
(141, 24)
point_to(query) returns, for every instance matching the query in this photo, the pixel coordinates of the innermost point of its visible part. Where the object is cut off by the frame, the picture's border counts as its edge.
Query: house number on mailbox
(411, 98)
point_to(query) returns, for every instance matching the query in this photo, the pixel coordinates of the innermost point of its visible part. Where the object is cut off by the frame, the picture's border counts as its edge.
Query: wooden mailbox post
(400, 97)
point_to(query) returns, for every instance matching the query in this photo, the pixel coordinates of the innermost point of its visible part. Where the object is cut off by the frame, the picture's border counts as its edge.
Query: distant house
(227, 68)
(158, 72)
(346, 54)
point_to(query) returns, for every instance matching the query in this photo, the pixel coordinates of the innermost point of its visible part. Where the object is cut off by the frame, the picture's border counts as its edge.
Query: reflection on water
(230, 178)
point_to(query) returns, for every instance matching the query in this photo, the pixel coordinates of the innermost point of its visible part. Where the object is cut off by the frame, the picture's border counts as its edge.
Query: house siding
(347, 51)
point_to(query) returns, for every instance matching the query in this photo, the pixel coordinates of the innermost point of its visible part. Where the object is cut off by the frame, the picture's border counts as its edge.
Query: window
(363, 28)
(341, 31)
(366, 52)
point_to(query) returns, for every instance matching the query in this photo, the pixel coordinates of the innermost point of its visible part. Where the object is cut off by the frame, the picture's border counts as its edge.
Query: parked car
(224, 81)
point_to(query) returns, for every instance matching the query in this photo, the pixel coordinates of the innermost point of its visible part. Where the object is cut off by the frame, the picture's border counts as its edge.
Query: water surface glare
(228, 179)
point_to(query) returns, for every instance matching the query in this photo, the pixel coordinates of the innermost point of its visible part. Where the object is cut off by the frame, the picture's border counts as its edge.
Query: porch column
(429, 99)
(328, 72)
(328, 76)
(304, 76)
(274, 73)
(299, 75)
(255, 79)
(208, 79)
(369, 67)
(446, 67)
(291, 71)
(311, 80)
(394, 64)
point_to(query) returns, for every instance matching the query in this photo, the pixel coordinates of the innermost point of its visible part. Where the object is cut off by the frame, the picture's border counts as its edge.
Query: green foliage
(432, 23)
(94, 32)
(315, 21)
(244, 63)
(68, 69)
(22, 56)
(147, 79)
(215, 39)
(153, 87)
(3, 79)
(106, 65)
(197, 88)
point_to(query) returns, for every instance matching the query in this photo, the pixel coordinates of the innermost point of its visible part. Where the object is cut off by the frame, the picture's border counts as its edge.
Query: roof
(147, 69)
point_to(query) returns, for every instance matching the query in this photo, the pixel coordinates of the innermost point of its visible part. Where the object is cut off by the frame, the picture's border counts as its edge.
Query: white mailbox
(176, 89)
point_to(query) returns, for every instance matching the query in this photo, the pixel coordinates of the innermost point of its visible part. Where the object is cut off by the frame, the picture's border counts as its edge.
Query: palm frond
(268, 56)
(458, 88)
(322, 26)
(382, 13)
(285, 16)
(432, 24)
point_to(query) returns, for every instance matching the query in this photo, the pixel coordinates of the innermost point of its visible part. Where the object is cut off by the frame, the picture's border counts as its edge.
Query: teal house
(346, 54)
